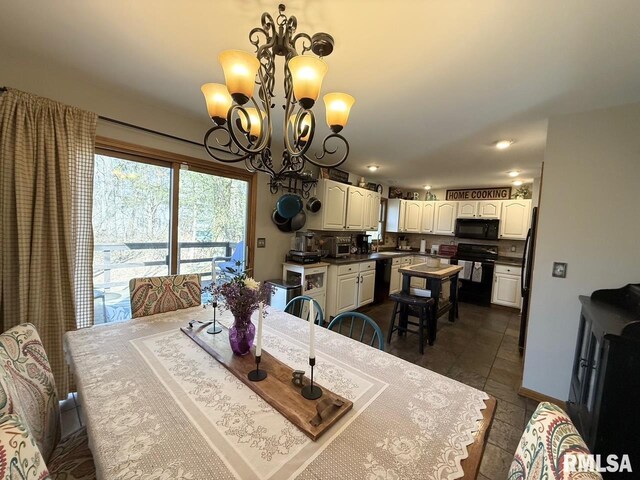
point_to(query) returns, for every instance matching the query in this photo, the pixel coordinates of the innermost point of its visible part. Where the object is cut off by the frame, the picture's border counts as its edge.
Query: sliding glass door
(212, 223)
(155, 216)
(131, 230)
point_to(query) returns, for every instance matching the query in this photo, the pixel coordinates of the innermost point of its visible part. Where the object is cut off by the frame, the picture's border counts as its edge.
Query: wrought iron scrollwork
(233, 142)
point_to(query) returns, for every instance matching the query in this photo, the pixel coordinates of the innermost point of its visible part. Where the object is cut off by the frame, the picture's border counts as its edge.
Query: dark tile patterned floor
(481, 350)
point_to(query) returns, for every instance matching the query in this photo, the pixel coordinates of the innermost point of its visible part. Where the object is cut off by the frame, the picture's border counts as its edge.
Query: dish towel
(476, 276)
(467, 266)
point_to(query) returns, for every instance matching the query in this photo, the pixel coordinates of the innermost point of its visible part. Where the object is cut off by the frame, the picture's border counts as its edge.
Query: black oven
(477, 228)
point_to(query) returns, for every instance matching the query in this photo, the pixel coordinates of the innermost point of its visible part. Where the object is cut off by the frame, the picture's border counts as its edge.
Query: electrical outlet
(559, 270)
(513, 248)
(261, 243)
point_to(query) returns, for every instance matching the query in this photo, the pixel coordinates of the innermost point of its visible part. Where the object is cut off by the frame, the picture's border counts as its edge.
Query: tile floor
(479, 349)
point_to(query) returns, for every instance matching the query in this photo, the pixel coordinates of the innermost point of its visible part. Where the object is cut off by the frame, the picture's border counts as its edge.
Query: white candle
(312, 338)
(259, 344)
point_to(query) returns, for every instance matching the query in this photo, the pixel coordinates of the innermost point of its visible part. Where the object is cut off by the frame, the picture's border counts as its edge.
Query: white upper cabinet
(331, 216)
(467, 209)
(412, 216)
(355, 208)
(514, 219)
(395, 215)
(428, 209)
(445, 218)
(372, 210)
(489, 209)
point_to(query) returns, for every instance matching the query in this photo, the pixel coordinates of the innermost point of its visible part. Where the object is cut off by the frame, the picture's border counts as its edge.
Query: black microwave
(477, 228)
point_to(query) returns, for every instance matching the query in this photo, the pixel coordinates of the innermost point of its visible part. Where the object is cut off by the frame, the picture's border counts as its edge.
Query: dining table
(157, 406)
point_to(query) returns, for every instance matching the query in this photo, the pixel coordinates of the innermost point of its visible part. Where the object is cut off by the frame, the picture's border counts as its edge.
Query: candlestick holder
(214, 329)
(311, 391)
(257, 375)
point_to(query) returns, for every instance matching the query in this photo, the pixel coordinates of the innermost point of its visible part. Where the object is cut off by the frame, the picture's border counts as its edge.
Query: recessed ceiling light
(513, 173)
(517, 183)
(427, 187)
(502, 144)
(373, 168)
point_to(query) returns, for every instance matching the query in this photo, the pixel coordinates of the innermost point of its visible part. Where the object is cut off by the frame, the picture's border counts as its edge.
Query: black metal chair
(412, 305)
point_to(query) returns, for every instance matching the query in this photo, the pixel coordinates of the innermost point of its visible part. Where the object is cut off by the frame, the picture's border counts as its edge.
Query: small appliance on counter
(362, 243)
(338, 246)
(304, 249)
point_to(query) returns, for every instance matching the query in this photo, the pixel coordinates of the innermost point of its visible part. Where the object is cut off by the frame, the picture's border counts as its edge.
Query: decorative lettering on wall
(494, 193)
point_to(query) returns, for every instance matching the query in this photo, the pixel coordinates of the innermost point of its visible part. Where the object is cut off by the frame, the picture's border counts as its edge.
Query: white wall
(27, 73)
(589, 218)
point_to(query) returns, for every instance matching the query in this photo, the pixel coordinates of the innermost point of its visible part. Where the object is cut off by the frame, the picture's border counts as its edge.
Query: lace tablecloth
(159, 407)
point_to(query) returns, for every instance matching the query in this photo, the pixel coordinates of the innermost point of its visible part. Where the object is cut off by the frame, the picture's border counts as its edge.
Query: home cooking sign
(496, 193)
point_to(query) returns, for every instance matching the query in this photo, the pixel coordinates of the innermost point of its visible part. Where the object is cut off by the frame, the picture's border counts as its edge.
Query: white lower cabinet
(350, 287)
(506, 286)
(397, 263)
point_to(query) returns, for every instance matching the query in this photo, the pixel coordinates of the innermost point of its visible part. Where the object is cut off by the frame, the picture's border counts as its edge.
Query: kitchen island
(435, 277)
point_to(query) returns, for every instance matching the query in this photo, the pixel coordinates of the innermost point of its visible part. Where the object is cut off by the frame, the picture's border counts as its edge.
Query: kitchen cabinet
(404, 216)
(331, 216)
(412, 216)
(506, 286)
(395, 285)
(313, 279)
(350, 287)
(445, 218)
(467, 209)
(515, 216)
(372, 210)
(428, 209)
(356, 198)
(489, 209)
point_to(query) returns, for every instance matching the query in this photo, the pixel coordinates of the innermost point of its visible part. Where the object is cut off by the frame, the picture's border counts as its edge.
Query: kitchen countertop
(357, 258)
(422, 270)
(513, 261)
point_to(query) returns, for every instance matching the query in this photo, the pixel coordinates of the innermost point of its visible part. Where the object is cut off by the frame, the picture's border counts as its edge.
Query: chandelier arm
(327, 151)
(306, 44)
(211, 150)
(265, 133)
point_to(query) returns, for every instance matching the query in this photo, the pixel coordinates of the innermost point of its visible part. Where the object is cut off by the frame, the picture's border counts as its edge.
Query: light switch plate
(261, 242)
(559, 270)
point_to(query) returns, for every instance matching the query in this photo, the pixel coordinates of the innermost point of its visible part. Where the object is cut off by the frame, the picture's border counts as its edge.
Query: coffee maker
(362, 243)
(304, 248)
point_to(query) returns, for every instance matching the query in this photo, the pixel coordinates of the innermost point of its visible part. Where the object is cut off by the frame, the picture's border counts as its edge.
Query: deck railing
(107, 266)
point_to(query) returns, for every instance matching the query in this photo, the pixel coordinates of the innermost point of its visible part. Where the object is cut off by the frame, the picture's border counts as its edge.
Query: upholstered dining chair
(19, 454)
(27, 390)
(548, 442)
(368, 329)
(151, 295)
(299, 306)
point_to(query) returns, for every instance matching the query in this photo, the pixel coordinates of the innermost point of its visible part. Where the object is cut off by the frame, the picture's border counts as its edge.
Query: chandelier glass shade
(241, 110)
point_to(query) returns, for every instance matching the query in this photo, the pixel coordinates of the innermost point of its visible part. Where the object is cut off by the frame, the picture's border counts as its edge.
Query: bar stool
(409, 304)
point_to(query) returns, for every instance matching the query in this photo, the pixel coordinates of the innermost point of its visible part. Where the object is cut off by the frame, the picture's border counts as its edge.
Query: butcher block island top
(422, 270)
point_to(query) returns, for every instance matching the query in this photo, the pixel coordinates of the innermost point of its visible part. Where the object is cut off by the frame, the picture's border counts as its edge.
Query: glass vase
(241, 335)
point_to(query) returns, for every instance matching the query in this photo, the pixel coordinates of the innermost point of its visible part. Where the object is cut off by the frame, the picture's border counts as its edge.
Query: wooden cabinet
(404, 216)
(331, 216)
(372, 210)
(467, 209)
(445, 218)
(356, 198)
(506, 286)
(489, 209)
(350, 287)
(514, 219)
(428, 209)
(604, 393)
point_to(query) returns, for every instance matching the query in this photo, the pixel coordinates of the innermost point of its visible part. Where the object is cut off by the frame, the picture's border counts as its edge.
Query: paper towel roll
(423, 246)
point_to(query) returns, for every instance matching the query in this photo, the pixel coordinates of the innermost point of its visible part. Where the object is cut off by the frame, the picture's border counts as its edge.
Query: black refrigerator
(525, 279)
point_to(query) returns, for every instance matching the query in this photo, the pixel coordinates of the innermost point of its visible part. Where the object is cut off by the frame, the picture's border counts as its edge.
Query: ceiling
(436, 82)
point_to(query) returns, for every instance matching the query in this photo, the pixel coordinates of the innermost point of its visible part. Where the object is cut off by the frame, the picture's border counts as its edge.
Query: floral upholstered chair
(19, 454)
(27, 389)
(549, 448)
(151, 295)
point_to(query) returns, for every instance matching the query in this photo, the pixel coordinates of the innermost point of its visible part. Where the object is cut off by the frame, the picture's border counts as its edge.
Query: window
(156, 213)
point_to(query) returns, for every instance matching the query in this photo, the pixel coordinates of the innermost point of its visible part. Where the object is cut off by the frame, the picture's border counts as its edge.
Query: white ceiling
(436, 82)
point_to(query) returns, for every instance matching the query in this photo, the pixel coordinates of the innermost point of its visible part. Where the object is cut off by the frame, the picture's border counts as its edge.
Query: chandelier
(243, 121)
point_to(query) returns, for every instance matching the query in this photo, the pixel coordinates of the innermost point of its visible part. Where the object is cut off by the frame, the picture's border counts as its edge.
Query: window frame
(175, 161)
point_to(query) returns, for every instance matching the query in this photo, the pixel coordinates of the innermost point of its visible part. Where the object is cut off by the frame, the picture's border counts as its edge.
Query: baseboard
(541, 397)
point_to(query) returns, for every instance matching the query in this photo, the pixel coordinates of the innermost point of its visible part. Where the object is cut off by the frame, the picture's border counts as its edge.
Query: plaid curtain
(46, 187)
